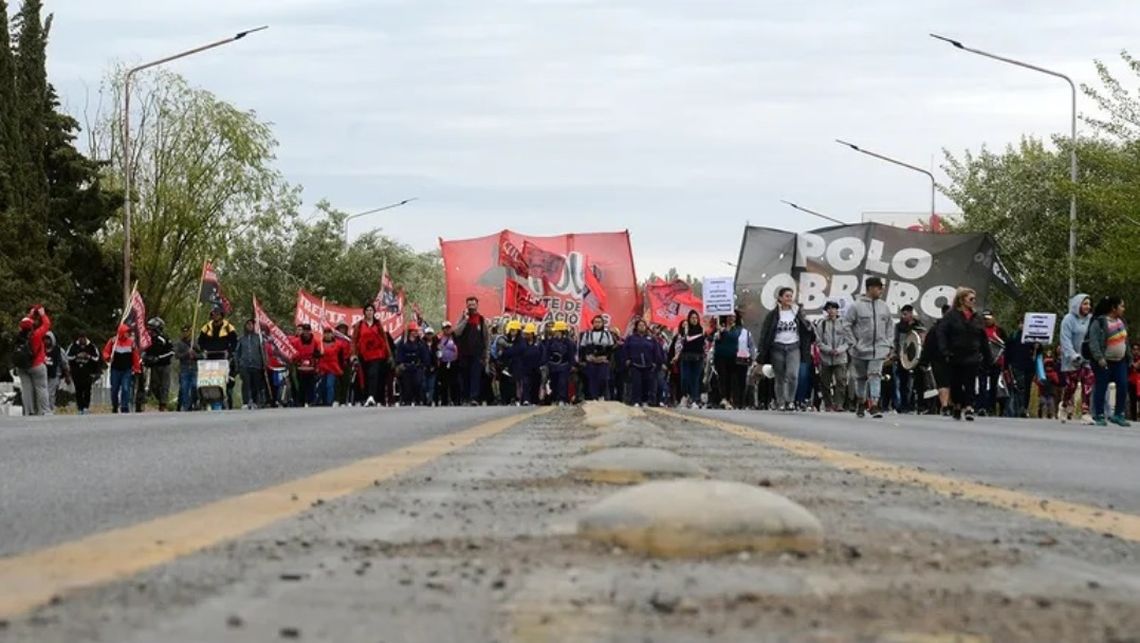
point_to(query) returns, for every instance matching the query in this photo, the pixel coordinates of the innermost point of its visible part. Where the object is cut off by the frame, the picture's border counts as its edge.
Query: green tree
(202, 177)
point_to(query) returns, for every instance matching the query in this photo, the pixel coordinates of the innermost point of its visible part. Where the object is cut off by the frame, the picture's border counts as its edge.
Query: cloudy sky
(677, 120)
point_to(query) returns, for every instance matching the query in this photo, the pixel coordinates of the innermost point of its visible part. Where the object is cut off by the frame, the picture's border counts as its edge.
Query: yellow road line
(1121, 525)
(32, 579)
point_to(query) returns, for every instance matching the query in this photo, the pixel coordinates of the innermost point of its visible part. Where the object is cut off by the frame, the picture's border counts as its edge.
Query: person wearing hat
(412, 358)
(869, 322)
(218, 340)
(833, 340)
(503, 374)
(157, 359)
(596, 348)
(559, 355)
(525, 360)
(187, 355)
(29, 357)
(83, 360)
(447, 354)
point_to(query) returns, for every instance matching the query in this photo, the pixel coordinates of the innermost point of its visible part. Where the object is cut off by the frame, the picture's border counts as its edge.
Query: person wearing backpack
(29, 358)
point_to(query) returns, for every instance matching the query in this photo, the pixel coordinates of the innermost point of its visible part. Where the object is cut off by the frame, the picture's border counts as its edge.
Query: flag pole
(128, 307)
(261, 347)
(197, 305)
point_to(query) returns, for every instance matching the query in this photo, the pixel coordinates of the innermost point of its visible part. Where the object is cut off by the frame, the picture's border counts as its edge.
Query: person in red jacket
(308, 354)
(375, 354)
(122, 355)
(330, 367)
(29, 360)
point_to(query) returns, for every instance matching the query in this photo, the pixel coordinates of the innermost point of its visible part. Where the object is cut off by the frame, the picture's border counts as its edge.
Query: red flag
(390, 304)
(670, 302)
(540, 263)
(277, 337)
(211, 293)
(135, 317)
(511, 257)
(595, 295)
(517, 299)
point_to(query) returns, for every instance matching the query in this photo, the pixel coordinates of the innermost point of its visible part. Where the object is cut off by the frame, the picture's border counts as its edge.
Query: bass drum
(911, 350)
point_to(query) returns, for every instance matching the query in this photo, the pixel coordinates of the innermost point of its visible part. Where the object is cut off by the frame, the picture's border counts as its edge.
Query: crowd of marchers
(860, 360)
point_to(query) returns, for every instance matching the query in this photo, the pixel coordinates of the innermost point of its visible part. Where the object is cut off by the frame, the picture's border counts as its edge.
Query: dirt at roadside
(478, 546)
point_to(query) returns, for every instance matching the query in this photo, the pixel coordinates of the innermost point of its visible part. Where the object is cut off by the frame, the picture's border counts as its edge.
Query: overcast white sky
(677, 120)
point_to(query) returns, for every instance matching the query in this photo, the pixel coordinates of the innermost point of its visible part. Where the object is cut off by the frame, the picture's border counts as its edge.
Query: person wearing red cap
(29, 359)
(412, 358)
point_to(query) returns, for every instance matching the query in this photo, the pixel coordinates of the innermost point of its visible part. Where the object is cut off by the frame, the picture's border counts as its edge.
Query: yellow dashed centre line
(32, 579)
(1121, 525)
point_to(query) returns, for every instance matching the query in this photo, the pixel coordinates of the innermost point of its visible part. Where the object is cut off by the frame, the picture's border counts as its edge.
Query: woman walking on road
(1108, 344)
(963, 345)
(785, 342)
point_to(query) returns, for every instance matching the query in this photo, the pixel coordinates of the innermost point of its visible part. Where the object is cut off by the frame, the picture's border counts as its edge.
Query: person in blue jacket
(524, 358)
(644, 357)
(412, 358)
(559, 355)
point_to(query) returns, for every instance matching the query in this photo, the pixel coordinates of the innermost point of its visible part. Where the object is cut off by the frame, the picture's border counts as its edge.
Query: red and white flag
(211, 293)
(517, 299)
(135, 317)
(511, 257)
(542, 263)
(277, 337)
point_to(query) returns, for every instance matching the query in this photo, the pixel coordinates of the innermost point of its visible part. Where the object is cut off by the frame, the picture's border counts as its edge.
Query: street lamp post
(344, 229)
(127, 146)
(933, 184)
(1072, 152)
(813, 212)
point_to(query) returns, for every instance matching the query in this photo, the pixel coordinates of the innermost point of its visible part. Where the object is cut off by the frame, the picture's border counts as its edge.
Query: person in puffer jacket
(121, 354)
(643, 357)
(834, 341)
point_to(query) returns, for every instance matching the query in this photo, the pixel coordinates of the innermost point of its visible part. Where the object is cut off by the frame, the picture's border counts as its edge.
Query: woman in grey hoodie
(1076, 367)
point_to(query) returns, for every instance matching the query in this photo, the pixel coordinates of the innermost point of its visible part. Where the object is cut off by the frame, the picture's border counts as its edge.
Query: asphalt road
(1091, 465)
(65, 477)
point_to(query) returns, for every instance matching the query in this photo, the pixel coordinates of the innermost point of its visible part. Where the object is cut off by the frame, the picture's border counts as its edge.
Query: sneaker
(370, 401)
(860, 408)
(957, 414)
(1099, 421)
(876, 412)
(968, 414)
(1119, 420)
(1089, 420)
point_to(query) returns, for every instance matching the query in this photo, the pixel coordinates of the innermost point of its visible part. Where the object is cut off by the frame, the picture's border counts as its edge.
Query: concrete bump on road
(688, 518)
(632, 465)
(604, 414)
(639, 435)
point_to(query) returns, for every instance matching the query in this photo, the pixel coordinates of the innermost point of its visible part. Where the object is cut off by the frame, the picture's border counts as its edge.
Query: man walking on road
(472, 337)
(250, 359)
(834, 342)
(904, 382)
(869, 322)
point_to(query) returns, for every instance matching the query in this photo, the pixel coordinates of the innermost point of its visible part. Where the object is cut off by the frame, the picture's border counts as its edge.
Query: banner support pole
(197, 306)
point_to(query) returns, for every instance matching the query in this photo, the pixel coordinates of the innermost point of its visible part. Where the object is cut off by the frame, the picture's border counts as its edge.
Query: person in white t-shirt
(785, 341)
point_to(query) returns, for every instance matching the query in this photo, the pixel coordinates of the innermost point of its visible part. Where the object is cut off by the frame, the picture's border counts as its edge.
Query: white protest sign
(1038, 328)
(213, 372)
(717, 293)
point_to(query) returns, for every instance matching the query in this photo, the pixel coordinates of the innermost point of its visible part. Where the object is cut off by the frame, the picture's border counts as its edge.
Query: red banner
(472, 268)
(319, 314)
(670, 302)
(277, 337)
(136, 319)
(511, 257)
(518, 299)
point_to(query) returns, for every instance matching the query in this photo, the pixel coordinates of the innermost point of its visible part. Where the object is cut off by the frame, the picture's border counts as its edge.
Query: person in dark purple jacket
(525, 360)
(643, 357)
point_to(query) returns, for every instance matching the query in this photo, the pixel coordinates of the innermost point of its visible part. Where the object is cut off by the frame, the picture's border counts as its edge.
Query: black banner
(918, 268)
